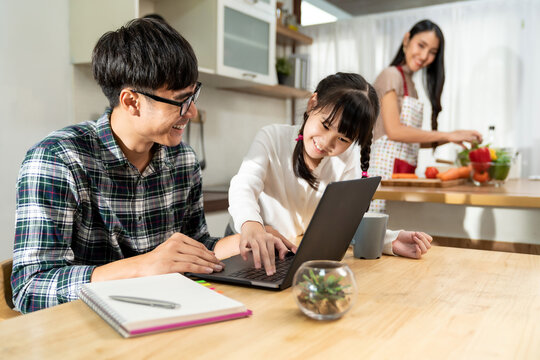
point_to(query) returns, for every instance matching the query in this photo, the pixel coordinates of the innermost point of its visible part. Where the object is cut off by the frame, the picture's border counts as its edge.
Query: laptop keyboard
(282, 267)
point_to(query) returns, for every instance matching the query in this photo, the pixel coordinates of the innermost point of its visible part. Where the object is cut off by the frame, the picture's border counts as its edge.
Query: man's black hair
(145, 54)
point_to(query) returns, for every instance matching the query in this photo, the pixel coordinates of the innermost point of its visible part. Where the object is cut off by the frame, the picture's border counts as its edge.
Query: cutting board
(422, 182)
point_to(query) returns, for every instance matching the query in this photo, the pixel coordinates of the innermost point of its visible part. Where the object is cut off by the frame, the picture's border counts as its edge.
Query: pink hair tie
(300, 137)
(364, 174)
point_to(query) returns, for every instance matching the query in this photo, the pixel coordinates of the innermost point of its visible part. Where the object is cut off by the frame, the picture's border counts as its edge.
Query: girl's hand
(289, 244)
(262, 245)
(411, 244)
(470, 136)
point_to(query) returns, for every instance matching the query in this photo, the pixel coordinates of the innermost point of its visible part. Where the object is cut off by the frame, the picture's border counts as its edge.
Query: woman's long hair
(354, 105)
(434, 75)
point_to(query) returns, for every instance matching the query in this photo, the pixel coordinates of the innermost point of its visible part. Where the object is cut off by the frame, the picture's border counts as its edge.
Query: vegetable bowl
(492, 170)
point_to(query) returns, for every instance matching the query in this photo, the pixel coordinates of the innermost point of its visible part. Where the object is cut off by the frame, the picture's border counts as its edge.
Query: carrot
(464, 172)
(455, 173)
(450, 174)
(404, 176)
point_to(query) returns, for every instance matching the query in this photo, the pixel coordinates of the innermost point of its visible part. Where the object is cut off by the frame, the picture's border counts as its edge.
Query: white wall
(232, 119)
(35, 88)
(38, 87)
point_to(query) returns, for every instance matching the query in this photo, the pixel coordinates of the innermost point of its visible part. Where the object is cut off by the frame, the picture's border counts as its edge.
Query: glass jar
(323, 289)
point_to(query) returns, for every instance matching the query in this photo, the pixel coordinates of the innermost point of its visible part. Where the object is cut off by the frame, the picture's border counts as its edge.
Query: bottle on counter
(490, 138)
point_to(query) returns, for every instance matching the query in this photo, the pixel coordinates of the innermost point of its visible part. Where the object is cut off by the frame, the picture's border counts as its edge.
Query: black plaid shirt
(81, 204)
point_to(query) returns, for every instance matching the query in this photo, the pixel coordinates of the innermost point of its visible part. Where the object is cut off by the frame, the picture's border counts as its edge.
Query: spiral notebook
(197, 304)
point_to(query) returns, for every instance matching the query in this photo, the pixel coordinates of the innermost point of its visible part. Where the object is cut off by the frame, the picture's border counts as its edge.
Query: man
(119, 197)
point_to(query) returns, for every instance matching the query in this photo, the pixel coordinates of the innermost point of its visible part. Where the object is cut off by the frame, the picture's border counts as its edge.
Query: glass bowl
(496, 171)
(489, 173)
(324, 290)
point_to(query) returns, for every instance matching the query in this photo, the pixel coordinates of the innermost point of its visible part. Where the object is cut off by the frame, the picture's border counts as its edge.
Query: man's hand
(262, 244)
(411, 244)
(178, 254)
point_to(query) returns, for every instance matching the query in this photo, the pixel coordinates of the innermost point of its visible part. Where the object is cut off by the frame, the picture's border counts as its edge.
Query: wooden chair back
(6, 302)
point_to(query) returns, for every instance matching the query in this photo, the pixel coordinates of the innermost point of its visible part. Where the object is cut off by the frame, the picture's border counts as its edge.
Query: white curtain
(492, 63)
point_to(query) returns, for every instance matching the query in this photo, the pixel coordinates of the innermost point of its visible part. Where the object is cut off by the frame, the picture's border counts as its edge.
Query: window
(319, 12)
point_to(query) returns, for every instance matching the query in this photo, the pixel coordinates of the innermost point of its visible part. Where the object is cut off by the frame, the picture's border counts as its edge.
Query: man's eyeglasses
(183, 105)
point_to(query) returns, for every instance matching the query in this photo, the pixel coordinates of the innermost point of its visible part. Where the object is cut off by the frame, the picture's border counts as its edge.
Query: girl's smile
(321, 138)
(318, 147)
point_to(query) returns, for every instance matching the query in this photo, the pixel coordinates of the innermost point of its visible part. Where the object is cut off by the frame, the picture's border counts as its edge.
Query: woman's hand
(179, 253)
(411, 244)
(262, 244)
(459, 136)
(396, 131)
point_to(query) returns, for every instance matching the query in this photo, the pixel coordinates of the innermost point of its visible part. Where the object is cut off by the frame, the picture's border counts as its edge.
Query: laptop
(327, 237)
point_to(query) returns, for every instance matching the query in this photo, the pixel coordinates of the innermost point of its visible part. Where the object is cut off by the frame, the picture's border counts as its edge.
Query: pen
(145, 301)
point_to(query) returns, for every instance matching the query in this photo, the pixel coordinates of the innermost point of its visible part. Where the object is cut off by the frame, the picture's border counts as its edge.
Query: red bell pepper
(480, 159)
(403, 167)
(480, 155)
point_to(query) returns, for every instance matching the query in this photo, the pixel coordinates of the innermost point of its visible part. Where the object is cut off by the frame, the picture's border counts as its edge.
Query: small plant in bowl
(324, 290)
(283, 69)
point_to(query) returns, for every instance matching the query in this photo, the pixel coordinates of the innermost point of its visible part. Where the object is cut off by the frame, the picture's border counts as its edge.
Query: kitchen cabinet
(284, 37)
(235, 40)
(267, 6)
(231, 38)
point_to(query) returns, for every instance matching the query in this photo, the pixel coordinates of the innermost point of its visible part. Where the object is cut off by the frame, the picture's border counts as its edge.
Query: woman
(398, 133)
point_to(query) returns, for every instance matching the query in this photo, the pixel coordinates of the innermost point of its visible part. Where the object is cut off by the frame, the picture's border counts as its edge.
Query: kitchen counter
(503, 218)
(481, 217)
(215, 199)
(520, 193)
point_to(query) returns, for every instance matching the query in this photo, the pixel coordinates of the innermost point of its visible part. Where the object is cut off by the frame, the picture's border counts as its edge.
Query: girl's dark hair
(355, 100)
(146, 54)
(434, 75)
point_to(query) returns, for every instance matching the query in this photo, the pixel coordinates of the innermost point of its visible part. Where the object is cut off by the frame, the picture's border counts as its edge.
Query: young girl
(284, 174)
(398, 134)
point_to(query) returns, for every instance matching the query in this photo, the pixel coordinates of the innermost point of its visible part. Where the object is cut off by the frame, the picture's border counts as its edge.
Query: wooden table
(514, 193)
(453, 303)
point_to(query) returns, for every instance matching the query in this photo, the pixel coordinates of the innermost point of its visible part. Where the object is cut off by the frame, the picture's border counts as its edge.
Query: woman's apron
(389, 156)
